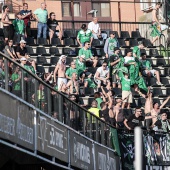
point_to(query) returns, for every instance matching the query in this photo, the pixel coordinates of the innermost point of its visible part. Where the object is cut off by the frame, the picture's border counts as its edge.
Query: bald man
(41, 15)
(95, 28)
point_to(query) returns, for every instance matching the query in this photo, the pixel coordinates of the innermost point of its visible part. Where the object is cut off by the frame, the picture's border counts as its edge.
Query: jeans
(42, 28)
(104, 36)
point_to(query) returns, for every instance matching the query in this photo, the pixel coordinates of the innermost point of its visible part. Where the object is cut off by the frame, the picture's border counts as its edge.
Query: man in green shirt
(136, 49)
(72, 69)
(84, 35)
(90, 60)
(41, 15)
(148, 71)
(16, 78)
(19, 28)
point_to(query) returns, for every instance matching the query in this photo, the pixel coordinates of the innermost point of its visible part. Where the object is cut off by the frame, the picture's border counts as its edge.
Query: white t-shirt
(94, 27)
(128, 59)
(102, 73)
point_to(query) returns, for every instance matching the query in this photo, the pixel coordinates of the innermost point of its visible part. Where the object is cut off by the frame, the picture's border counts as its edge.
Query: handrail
(45, 84)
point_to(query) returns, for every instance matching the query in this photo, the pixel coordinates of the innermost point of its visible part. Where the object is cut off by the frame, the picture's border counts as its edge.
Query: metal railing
(33, 90)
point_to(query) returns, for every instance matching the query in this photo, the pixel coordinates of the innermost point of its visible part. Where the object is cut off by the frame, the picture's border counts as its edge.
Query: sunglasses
(88, 44)
(53, 15)
(104, 65)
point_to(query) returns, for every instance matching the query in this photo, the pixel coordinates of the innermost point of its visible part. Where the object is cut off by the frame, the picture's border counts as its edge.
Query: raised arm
(164, 103)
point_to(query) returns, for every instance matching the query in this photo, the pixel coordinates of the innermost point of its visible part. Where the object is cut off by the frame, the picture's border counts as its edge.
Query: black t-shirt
(134, 121)
(21, 51)
(113, 58)
(52, 24)
(104, 114)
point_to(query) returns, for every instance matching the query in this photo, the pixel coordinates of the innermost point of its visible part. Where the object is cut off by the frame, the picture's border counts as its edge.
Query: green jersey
(85, 52)
(136, 50)
(99, 101)
(126, 83)
(70, 71)
(146, 64)
(29, 68)
(19, 26)
(17, 85)
(80, 67)
(84, 36)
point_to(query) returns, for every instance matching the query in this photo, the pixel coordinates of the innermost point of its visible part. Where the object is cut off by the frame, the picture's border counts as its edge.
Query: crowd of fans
(116, 71)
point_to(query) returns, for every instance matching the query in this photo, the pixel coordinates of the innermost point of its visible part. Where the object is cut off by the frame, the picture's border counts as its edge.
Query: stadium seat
(54, 60)
(42, 51)
(136, 35)
(96, 43)
(30, 41)
(125, 35)
(92, 70)
(69, 51)
(1, 32)
(154, 53)
(168, 91)
(50, 69)
(54, 51)
(69, 34)
(134, 93)
(89, 91)
(118, 92)
(30, 51)
(56, 42)
(77, 51)
(165, 81)
(42, 41)
(115, 32)
(69, 60)
(133, 42)
(157, 92)
(161, 62)
(141, 101)
(147, 43)
(156, 100)
(122, 43)
(40, 69)
(70, 42)
(42, 61)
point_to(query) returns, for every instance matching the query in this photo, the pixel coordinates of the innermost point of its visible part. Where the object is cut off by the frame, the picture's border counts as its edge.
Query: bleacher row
(47, 55)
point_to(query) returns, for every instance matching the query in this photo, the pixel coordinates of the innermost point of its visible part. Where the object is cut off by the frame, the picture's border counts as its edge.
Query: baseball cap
(22, 41)
(23, 58)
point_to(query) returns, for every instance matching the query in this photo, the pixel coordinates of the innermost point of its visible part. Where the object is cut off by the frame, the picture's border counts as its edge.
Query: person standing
(26, 16)
(137, 50)
(41, 15)
(54, 28)
(110, 44)
(7, 24)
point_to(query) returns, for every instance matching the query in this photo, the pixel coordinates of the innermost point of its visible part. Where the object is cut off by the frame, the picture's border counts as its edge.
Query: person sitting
(84, 35)
(9, 50)
(95, 28)
(148, 71)
(90, 60)
(19, 28)
(102, 76)
(110, 44)
(54, 27)
(72, 69)
(21, 50)
(72, 85)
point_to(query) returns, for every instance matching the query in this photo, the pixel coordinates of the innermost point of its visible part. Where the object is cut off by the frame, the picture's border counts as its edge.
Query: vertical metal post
(84, 123)
(22, 85)
(102, 133)
(72, 14)
(49, 100)
(6, 73)
(138, 149)
(68, 147)
(119, 14)
(35, 93)
(97, 130)
(60, 107)
(35, 132)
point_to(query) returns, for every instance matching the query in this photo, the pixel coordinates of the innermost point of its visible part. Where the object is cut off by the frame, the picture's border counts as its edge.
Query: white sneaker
(159, 83)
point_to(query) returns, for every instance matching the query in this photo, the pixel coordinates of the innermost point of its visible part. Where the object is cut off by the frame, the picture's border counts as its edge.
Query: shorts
(99, 82)
(128, 95)
(115, 79)
(61, 80)
(145, 72)
(8, 32)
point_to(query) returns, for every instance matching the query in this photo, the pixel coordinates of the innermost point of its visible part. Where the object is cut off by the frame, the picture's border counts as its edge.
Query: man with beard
(60, 70)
